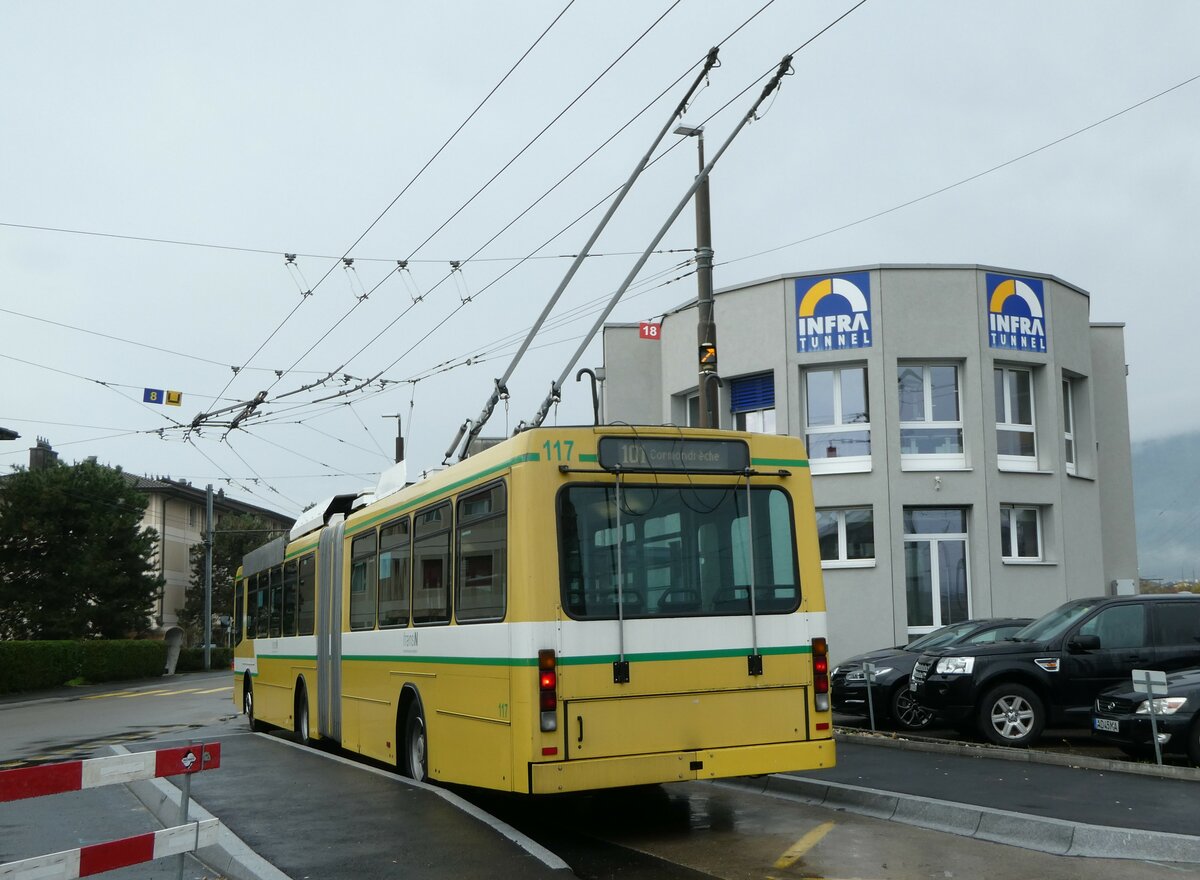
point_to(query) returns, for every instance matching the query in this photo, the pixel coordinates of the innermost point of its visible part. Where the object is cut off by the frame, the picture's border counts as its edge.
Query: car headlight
(1162, 706)
(861, 675)
(956, 665)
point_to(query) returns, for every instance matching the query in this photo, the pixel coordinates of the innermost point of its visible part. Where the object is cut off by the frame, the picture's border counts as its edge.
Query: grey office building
(967, 430)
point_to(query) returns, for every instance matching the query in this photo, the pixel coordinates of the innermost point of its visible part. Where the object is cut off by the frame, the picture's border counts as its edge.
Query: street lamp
(706, 328)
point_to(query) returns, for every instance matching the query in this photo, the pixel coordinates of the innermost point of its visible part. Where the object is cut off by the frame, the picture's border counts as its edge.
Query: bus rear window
(676, 551)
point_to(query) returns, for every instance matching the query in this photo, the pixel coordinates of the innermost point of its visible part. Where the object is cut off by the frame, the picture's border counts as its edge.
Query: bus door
(329, 629)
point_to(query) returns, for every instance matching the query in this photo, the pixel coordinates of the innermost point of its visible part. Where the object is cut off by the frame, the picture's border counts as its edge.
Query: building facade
(967, 430)
(176, 511)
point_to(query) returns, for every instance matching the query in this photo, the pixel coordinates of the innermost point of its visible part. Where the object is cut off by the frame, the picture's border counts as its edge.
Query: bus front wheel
(415, 744)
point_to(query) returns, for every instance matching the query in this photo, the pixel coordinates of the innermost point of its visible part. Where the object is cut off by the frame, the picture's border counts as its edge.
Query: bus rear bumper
(592, 773)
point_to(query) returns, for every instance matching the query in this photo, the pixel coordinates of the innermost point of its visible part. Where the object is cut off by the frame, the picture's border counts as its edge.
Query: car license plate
(1107, 724)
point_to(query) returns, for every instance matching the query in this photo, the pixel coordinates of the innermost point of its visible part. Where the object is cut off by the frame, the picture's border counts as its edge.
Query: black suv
(891, 698)
(1052, 669)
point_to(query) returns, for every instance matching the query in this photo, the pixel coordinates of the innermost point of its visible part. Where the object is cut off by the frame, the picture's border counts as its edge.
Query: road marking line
(144, 694)
(109, 694)
(228, 687)
(803, 845)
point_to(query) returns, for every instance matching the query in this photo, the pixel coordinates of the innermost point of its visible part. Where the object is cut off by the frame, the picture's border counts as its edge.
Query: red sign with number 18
(649, 330)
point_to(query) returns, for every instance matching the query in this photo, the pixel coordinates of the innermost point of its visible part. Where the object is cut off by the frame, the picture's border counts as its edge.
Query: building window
(693, 410)
(931, 429)
(1016, 444)
(1068, 425)
(936, 570)
(847, 537)
(193, 515)
(1020, 534)
(752, 402)
(838, 419)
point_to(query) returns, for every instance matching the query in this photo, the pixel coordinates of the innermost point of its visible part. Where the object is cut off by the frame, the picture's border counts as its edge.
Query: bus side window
(394, 559)
(306, 606)
(431, 565)
(276, 609)
(256, 623)
(238, 618)
(363, 563)
(289, 598)
(482, 549)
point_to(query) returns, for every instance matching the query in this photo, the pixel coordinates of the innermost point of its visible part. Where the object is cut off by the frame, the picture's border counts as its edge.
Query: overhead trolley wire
(563, 230)
(392, 203)
(970, 178)
(459, 265)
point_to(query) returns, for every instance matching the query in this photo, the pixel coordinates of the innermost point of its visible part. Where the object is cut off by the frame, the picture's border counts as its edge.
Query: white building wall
(927, 314)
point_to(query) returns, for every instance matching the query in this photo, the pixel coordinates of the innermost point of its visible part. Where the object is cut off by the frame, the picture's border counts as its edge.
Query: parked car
(1121, 716)
(1051, 670)
(891, 698)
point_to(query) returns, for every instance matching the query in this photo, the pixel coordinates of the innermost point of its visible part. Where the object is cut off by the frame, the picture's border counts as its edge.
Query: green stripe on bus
(589, 457)
(780, 462)
(590, 660)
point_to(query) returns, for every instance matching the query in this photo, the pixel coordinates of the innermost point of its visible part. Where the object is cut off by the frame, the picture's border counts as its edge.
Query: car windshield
(947, 635)
(1051, 625)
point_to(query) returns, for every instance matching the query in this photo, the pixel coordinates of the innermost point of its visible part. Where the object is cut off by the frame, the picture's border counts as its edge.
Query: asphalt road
(316, 815)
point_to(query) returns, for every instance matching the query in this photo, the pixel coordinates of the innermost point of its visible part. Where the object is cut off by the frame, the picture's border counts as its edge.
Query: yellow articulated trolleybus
(570, 609)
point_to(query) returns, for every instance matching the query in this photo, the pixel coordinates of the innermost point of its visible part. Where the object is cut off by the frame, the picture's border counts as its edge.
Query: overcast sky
(243, 132)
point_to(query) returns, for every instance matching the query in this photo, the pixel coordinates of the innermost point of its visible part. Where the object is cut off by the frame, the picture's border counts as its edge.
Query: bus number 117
(555, 451)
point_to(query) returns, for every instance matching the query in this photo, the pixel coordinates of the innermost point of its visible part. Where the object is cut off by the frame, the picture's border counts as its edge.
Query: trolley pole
(706, 327)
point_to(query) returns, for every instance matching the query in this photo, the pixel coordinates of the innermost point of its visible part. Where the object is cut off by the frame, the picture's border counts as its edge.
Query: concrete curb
(1047, 835)
(230, 856)
(1028, 756)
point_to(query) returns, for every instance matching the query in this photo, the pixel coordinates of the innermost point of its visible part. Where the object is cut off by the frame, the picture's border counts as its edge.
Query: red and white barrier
(28, 782)
(99, 857)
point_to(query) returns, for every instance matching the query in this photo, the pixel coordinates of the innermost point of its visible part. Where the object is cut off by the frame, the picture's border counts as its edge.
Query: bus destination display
(673, 455)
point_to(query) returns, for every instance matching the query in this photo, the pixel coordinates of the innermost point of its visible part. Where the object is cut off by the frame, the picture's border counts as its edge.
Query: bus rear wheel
(415, 745)
(248, 707)
(302, 732)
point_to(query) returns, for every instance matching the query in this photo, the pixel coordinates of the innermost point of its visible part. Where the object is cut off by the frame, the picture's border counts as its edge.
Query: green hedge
(192, 659)
(31, 666)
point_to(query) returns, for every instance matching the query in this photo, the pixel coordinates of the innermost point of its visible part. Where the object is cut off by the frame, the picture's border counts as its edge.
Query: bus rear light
(548, 690)
(820, 661)
(549, 751)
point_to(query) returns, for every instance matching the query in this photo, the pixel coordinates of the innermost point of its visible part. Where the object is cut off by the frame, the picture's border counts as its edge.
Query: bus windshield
(680, 551)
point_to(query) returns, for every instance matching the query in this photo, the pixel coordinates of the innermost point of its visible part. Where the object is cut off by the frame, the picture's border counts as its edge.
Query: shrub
(37, 665)
(192, 659)
(31, 666)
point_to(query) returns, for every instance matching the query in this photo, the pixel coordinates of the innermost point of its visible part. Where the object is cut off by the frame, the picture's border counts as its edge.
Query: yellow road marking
(109, 694)
(143, 694)
(803, 845)
(227, 687)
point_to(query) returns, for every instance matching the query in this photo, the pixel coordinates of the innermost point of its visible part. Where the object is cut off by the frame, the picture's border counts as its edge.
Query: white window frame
(847, 464)
(933, 539)
(690, 401)
(1008, 554)
(757, 421)
(919, 461)
(1005, 403)
(1070, 446)
(843, 561)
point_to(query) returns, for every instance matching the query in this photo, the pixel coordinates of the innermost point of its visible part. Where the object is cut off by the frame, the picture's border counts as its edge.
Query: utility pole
(706, 327)
(208, 551)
